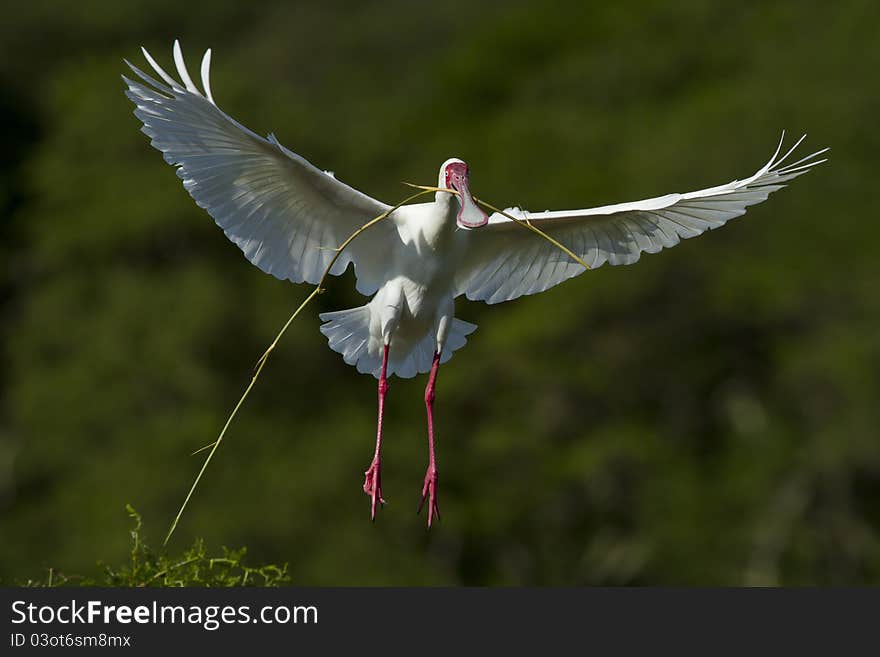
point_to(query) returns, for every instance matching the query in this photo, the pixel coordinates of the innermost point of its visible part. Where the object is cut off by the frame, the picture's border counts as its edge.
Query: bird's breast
(423, 263)
(427, 227)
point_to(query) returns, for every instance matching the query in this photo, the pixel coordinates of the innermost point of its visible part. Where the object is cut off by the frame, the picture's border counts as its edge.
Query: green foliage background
(709, 416)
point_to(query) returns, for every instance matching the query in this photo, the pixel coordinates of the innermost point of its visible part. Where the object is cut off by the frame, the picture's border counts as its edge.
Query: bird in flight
(288, 217)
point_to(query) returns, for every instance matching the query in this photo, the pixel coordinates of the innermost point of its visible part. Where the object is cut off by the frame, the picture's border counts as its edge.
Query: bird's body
(288, 217)
(414, 309)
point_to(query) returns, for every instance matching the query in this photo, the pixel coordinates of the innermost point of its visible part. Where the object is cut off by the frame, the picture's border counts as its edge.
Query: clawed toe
(429, 493)
(373, 486)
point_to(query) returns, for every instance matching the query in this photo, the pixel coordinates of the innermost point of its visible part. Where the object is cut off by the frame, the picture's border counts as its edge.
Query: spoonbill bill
(288, 216)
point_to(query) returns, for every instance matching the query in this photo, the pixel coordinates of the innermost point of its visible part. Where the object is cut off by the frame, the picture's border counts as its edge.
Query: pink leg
(429, 489)
(373, 481)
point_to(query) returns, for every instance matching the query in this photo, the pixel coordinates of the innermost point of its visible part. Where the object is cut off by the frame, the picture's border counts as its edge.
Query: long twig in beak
(525, 223)
(423, 189)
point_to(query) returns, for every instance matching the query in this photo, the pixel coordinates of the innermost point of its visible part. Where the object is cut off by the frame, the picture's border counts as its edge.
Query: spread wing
(282, 212)
(503, 260)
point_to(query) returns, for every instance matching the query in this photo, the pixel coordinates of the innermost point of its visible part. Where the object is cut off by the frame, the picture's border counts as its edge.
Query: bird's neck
(435, 223)
(443, 199)
(447, 205)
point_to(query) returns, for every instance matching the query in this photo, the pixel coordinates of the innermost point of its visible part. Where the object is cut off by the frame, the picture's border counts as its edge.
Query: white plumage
(287, 215)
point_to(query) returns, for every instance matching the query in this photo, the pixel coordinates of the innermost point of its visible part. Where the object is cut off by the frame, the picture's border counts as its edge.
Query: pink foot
(373, 486)
(429, 492)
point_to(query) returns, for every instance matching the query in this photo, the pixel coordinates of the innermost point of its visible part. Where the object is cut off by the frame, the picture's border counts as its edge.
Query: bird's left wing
(502, 260)
(286, 215)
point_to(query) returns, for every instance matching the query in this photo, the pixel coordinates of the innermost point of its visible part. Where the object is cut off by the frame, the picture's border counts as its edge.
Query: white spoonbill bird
(288, 216)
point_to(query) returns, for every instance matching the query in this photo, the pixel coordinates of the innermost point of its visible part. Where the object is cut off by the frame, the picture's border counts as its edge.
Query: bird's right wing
(502, 260)
(286, 215)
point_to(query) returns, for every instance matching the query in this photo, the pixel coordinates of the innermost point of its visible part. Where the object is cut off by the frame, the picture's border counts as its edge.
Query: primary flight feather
(288, 216)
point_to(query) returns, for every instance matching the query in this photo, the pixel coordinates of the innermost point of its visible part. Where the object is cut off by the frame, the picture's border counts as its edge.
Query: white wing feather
(285, 214)
(503, 261)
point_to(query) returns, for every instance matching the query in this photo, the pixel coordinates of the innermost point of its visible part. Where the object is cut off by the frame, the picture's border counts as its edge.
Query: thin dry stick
(525, 223)
(424, 189)
(262, 362)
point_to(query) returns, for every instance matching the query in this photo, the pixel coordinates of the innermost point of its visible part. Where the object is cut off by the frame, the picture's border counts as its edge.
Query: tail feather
(348, 333)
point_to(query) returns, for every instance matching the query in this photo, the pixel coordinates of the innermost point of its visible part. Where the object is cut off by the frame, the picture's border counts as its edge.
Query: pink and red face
(456, 177)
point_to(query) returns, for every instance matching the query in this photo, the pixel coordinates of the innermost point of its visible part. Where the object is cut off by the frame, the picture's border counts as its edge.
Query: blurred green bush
(193, 567)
